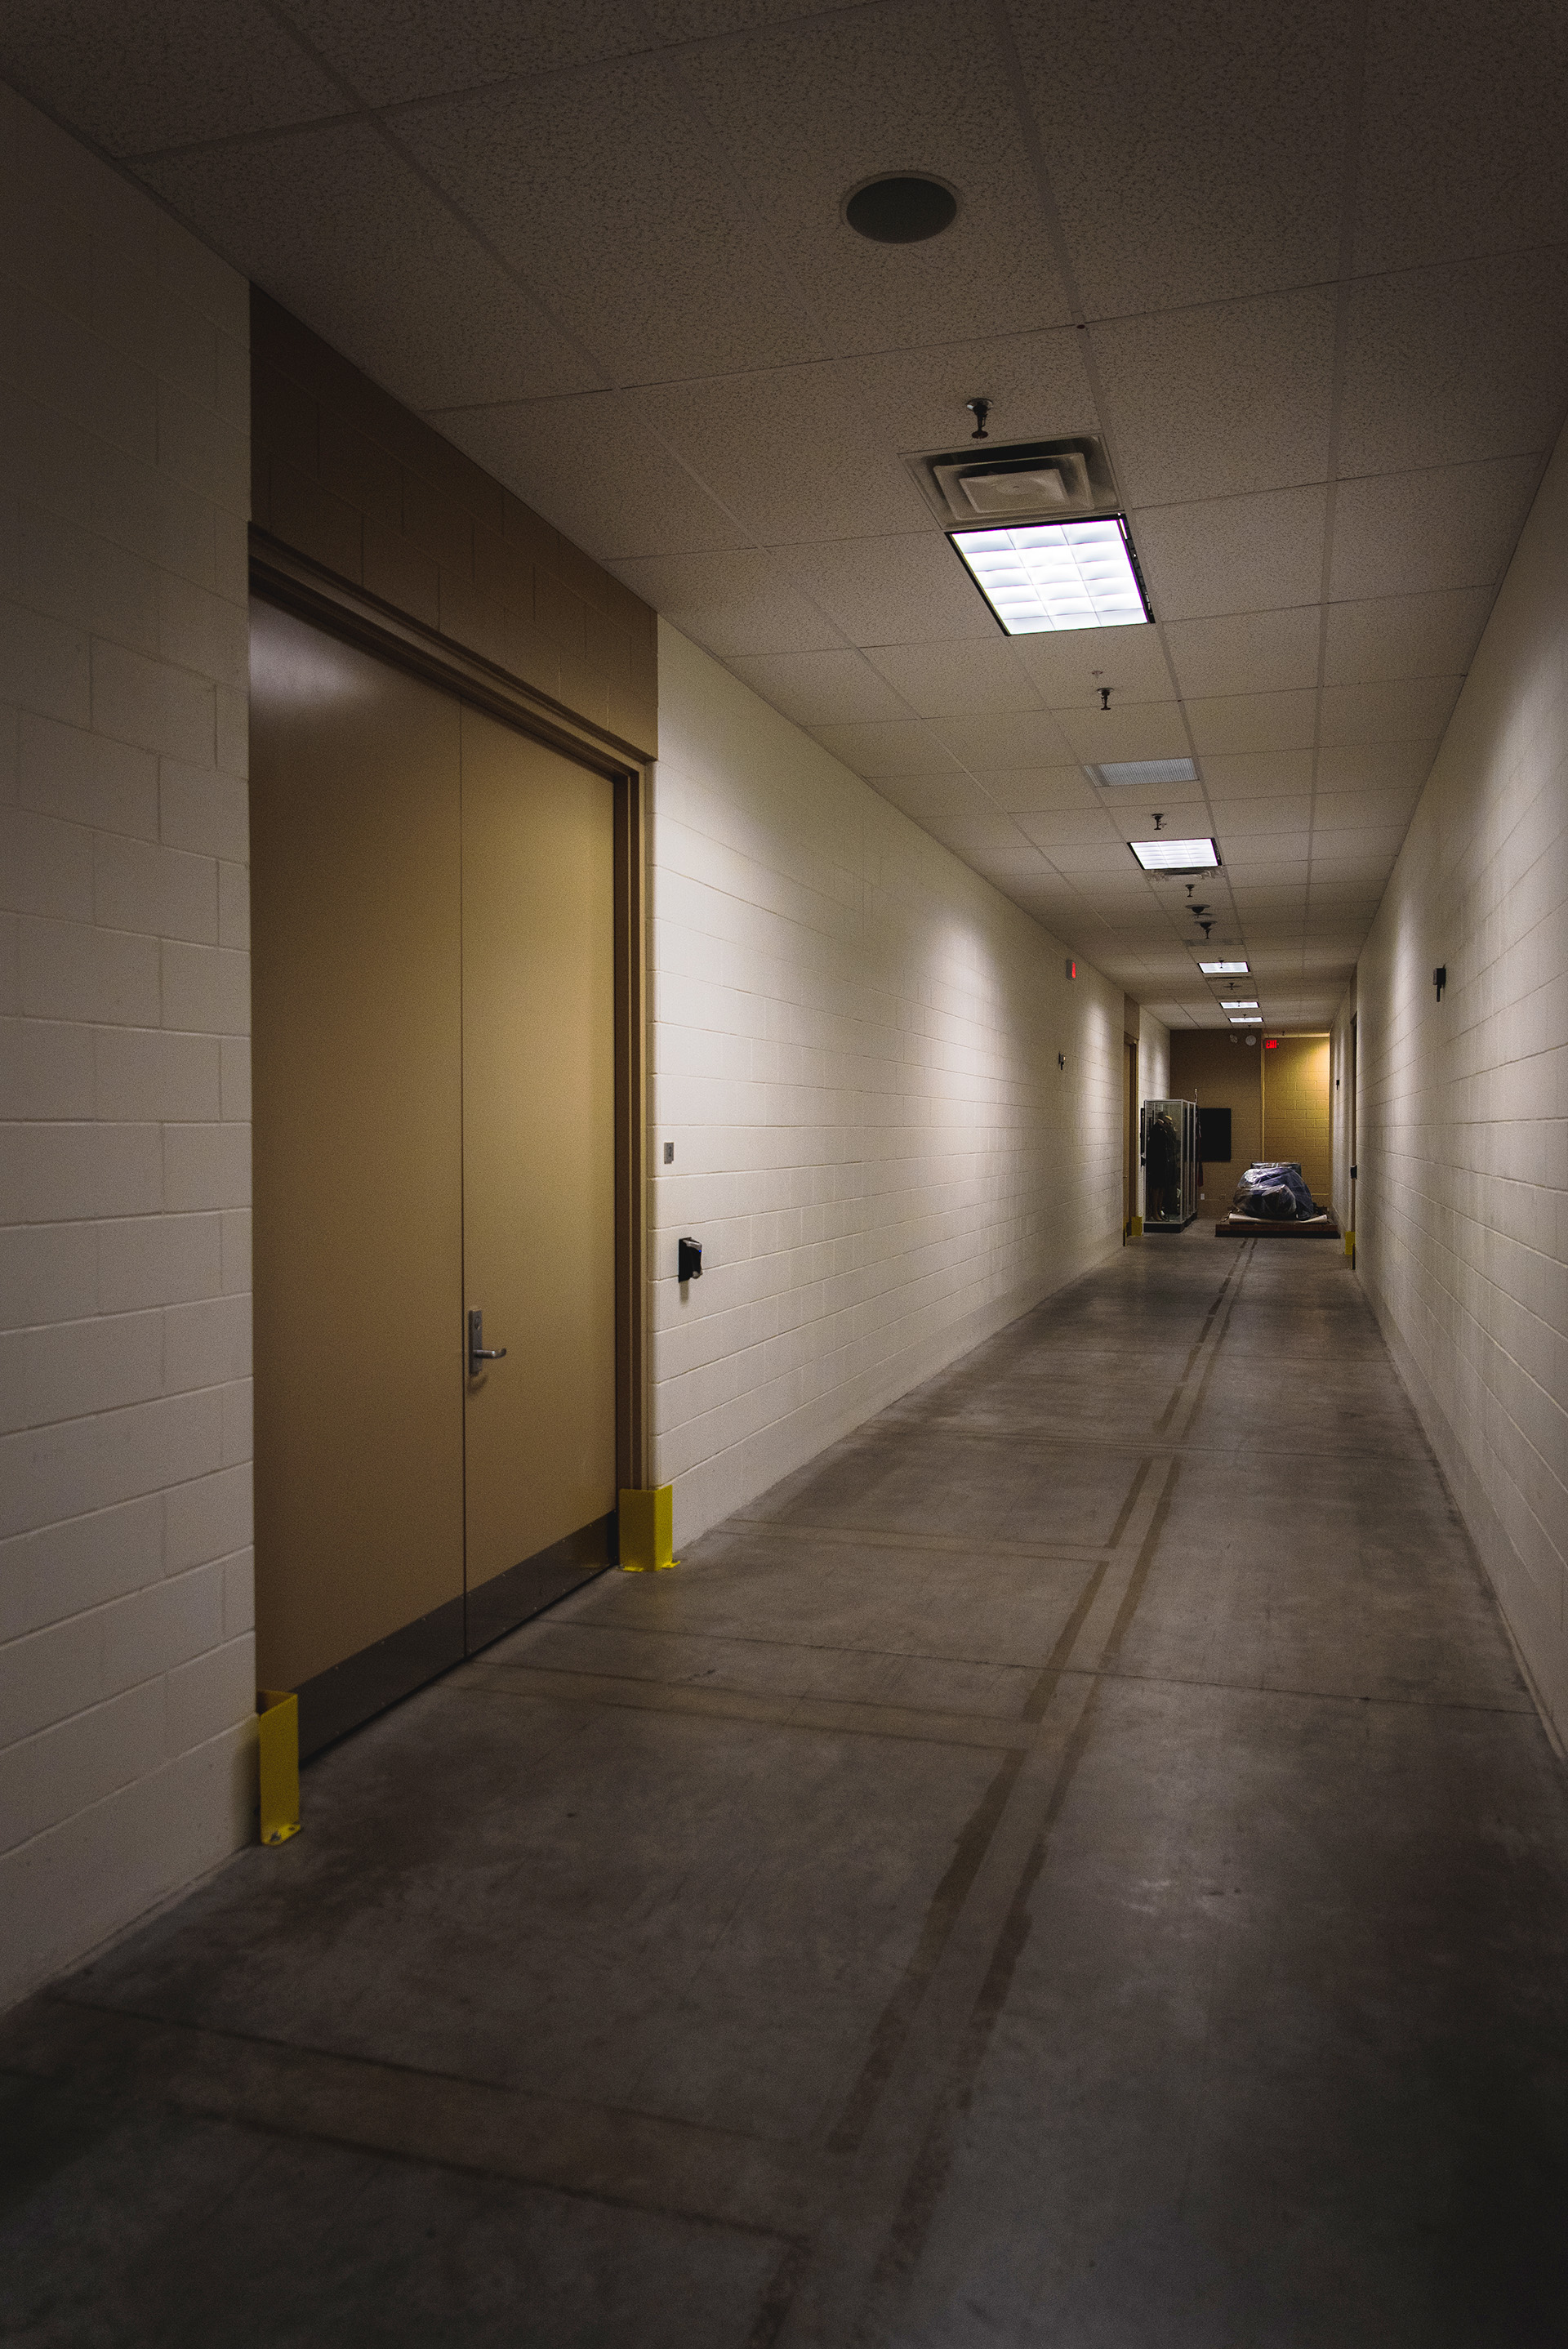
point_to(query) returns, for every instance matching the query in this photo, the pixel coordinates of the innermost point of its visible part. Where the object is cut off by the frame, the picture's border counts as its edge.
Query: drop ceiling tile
(1405, 710)
(974, 679)
(792, 452)
(593, 183)
(1085, 856)
(707, 20)
(591, 466)
(1355, 848)
(1267, 857)
(1184, 805)
(892, 591)
(950, 794)
(902, 747)
(1405, 636)
(1025, 738)
(1218, 401)
(1351, 811)
(730, 602)
(1071, 667)
(1410, 533)
(423, 49)
(1463, 130)
(1262, 820)
(807, 111)
(1195, 155)
(1127, 731)
(1057, 828)
(1236, 722)
(1447, 366)
(1011, 859)
(1233, 554)
(399, 286)
(1374, 766)
(821, 689)
(1246, 652)
(136, 79)
(984, 838)
(1036, 386)
(1031, 791)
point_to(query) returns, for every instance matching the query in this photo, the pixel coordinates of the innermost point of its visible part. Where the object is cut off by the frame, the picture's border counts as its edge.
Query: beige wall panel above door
(357, 904)
(539, 1143)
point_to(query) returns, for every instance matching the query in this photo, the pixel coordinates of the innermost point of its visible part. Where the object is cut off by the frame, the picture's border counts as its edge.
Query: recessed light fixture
(1038, 577)
(1222, 970)
(1143, 770)
(1246, 1023)
(1240, 1003)
(904, 209)
(1175, 855)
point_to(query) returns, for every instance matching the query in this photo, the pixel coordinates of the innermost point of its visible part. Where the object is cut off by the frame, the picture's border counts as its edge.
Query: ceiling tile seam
(829, 15)
(718, 156)
(792, 367)
(266, 134)
(1056, 235)
(411, 162)
(1287, 289)
(1350, 191)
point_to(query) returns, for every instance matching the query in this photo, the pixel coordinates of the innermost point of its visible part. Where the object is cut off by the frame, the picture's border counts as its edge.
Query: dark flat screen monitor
(1214, 1136)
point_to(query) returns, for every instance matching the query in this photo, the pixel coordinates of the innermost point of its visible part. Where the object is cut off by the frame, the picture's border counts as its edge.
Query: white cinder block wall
(126, 1680)
(1462, 1141)
(854, 1044)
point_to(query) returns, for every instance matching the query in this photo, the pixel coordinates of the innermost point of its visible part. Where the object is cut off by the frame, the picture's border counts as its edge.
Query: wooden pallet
(1263, 1228)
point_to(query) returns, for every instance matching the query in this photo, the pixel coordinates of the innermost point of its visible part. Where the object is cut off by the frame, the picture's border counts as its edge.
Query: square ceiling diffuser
(1038, 576)
(1118, 773)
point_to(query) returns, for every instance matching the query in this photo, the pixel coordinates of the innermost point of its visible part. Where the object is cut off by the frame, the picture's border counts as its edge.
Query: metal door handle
(478, 1350)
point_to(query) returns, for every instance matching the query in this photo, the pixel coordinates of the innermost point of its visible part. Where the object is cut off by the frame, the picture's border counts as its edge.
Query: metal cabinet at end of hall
(1168, 1153)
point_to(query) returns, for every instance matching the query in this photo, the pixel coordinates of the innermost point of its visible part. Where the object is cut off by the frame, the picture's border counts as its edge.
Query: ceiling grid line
(1056, 234)
(1355, 72)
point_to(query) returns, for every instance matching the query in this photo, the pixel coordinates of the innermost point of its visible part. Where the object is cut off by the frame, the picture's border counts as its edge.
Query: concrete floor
(1075, 1864)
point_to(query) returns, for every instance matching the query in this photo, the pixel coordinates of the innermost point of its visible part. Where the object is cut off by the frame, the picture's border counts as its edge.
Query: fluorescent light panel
(1224, 969)
(1038, 576)
(1175, 855)
(1117, 772)
(1238, 1003)
(1246, 1023)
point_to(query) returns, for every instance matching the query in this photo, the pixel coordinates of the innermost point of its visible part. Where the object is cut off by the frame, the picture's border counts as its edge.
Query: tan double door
(434, 1104)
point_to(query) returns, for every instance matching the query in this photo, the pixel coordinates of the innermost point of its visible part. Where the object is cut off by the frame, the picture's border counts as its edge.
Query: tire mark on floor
(894, 2025)
(907, 2237)
(1166, 1416)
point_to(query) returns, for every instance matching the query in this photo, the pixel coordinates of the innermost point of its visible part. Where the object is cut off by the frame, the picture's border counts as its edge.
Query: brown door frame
(278, 575)
(1130, 1136)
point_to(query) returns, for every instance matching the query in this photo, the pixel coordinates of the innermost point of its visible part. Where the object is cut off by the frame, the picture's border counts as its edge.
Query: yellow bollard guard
(277, 1742)
(645, 1526)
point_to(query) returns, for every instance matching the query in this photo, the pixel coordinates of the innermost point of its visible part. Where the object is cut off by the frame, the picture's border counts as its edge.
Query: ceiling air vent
(1143, 770)
(1035, 480)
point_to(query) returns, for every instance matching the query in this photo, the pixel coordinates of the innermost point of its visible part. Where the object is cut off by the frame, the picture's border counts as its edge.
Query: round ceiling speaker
(904, 209)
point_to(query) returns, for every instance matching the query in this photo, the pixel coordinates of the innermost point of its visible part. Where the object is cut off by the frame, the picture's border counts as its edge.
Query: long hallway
(1076, 1864)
